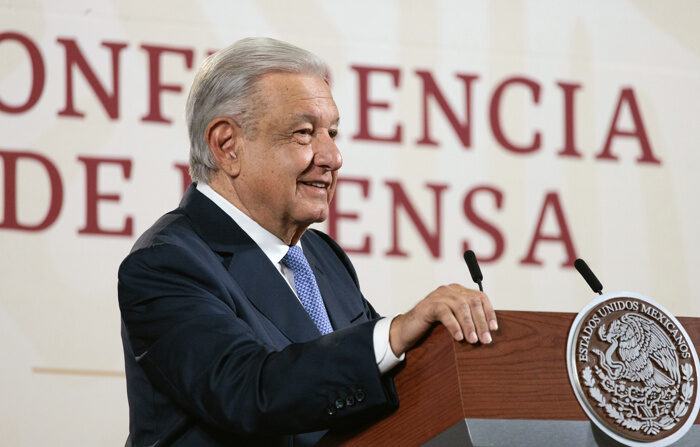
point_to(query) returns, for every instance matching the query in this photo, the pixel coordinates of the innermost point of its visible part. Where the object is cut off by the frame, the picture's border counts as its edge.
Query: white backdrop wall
(535, 132)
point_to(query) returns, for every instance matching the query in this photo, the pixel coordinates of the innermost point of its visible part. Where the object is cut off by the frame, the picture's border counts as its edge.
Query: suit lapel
(261, 282)
(270, 294)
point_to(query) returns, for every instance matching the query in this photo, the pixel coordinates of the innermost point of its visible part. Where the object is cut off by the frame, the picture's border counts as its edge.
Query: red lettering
(365, 104)
(93, 197)
(74, 57)
(400, 200)
(569, 149)
(334, 215)
(185, 173)
(494, 115)
(430, 89)
(552, 201)
(10, 185)
(155, 86)
(627, 97)
(38, 73)
(478, 221)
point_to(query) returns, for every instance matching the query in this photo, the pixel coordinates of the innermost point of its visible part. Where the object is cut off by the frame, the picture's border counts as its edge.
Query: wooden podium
(520, 377)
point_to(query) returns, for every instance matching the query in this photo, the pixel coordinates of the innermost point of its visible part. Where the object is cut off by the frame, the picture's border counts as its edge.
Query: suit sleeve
(194, 348)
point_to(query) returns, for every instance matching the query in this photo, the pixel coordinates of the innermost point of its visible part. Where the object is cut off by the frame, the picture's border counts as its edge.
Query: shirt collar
(273, 247)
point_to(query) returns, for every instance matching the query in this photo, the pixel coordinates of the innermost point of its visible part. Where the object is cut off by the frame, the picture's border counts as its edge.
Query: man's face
(289, 165)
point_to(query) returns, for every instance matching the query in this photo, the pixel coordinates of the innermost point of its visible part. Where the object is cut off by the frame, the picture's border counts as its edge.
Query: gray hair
(226, 83)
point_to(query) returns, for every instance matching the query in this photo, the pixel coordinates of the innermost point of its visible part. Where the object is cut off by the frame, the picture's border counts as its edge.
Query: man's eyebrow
(301, 117)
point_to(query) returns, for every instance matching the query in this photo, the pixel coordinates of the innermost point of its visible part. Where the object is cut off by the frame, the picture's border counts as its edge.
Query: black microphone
(588, 275)
(474, 270)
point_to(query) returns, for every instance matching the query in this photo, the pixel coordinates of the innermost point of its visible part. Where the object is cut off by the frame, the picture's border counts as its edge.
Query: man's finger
(466, 320)
(446, 316)
(480, 322)
(489, 312)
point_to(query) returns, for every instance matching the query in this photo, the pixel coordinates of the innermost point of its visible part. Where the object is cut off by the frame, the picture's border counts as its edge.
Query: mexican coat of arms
(634, 370)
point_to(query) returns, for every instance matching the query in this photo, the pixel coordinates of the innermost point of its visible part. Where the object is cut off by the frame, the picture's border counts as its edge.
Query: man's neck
(290, 235)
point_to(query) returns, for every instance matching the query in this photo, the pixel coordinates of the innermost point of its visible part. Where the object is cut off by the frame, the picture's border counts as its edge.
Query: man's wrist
(383, 352)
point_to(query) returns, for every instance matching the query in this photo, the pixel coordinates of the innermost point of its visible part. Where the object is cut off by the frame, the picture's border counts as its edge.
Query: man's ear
(223, 137)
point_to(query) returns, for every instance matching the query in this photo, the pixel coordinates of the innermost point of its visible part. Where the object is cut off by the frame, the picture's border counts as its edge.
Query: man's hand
(461, 310)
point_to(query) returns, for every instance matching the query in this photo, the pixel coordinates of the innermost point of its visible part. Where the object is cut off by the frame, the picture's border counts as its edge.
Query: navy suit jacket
(219, 351)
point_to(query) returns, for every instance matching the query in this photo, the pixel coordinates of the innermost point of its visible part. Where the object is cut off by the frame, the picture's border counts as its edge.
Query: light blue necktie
(307, 289)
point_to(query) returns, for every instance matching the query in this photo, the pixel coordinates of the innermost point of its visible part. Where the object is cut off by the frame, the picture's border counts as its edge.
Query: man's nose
(327, 154)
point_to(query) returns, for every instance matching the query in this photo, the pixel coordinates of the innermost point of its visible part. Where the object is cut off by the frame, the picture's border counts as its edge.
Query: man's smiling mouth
(316, 184)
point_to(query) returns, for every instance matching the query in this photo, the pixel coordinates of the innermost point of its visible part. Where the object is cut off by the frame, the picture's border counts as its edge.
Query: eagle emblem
(635, 370)
(646, 354)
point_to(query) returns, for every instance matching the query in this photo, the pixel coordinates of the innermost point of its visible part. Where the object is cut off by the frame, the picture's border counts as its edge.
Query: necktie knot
(295, 259)
(307, 288)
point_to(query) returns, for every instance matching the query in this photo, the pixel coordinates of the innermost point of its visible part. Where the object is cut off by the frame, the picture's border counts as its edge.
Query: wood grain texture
(429, 395)
(521, 375)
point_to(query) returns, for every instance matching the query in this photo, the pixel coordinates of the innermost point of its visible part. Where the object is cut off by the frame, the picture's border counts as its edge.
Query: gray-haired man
(239, 325)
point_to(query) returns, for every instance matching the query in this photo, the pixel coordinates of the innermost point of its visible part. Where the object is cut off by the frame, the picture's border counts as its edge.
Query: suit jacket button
(331, 410)
(360, 395)
(339, 404)
(350, 400)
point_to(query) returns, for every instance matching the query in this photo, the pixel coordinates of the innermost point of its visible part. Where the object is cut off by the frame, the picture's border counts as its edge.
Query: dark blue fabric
(218, 350)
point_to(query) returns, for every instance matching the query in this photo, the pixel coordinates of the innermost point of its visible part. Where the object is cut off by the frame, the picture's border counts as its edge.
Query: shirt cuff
(386, 360)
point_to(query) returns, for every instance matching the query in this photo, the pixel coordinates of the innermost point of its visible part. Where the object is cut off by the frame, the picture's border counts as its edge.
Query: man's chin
(316, 216)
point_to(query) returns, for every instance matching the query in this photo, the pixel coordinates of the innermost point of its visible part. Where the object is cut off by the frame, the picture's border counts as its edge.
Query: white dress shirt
(275, 249)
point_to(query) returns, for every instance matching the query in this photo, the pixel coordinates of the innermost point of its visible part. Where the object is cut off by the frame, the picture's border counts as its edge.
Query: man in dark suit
(240, 327)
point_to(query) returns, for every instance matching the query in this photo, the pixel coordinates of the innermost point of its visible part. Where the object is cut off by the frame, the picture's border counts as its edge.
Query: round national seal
(634, 370)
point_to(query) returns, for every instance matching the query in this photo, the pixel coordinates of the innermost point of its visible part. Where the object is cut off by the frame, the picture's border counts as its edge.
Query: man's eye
(304, 131)
(333, 133)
